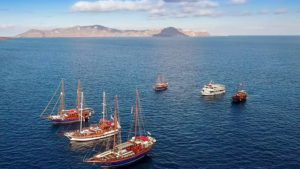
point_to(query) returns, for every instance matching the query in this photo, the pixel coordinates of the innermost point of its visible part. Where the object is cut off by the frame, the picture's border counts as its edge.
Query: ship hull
(212, 94)
(126, 161)
(58, 121)
(238, 100)
(78, 139)
(240, 97)
(160, 89)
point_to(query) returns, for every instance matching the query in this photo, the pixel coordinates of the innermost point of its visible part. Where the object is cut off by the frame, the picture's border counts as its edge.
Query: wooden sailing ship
(128, 152)
(67, 116)
(161, 84)
(240, 96)
(105, 128)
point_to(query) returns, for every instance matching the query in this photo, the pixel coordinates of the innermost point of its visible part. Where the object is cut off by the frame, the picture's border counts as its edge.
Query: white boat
(212, 89)
(105, 128)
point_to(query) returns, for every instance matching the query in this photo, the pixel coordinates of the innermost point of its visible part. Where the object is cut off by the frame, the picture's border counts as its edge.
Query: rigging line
(142, 120)
(55, 104)
(50, 100)
(132, 124)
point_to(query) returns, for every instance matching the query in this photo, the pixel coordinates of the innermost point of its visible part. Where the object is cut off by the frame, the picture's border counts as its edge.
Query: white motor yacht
(212, 89)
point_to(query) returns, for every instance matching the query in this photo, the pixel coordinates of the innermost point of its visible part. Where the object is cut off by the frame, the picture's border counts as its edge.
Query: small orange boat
(161, 84)
(240, 96)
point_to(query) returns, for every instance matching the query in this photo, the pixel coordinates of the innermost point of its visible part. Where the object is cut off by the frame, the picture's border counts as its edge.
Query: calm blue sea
(191, 131)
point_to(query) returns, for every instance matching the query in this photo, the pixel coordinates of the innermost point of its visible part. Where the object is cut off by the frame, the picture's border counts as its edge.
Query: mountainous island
(102, 31)
(170, 32)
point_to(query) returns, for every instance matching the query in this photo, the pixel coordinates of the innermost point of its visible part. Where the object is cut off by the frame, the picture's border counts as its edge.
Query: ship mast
(81, 105)
(136, 114)
(104, 106)
(240, 87)
(78, 95)
(62, 98)
(158, 79)
(116, 118)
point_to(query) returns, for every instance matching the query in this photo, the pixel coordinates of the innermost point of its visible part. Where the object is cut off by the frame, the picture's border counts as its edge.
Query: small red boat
(240, 96)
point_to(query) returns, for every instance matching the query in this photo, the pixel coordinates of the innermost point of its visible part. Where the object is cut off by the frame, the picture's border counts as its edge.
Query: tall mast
(240, 87)
(78, 95)
(116, 117)
(119, 125)
(158, 79)
(62, 98)
(104, 107)
(136, 114)
(81, 105)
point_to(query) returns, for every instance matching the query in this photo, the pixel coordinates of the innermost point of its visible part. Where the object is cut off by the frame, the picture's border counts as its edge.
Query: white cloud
(264, 12)
(155, 8)
(116, 5)
(199, 8)
(238, 2)
(246, 13)
(280, 11)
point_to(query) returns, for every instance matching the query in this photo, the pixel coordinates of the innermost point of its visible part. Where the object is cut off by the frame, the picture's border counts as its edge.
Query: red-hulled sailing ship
(160, 84)
(240, 96)
(67, 116)
(128, 152)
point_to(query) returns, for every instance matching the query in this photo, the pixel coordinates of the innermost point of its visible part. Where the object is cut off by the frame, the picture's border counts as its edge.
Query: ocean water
(191, 131)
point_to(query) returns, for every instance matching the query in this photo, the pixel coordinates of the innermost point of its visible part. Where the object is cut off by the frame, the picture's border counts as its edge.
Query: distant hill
(5, 38)
(86, 31)
(170, 32)
(98, 31)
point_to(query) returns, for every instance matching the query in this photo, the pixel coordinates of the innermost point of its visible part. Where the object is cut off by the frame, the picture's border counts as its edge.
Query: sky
(218, 17)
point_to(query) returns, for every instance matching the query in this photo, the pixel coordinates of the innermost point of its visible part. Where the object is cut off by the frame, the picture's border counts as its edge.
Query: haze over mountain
(102, 31)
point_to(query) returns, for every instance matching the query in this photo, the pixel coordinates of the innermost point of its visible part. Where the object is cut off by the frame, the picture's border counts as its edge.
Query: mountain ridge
(99, 31)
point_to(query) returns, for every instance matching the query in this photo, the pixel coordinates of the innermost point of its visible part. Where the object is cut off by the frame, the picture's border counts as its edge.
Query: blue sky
(219, 17)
